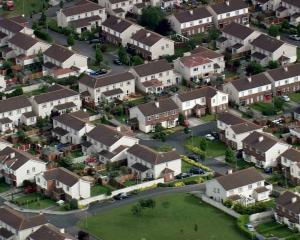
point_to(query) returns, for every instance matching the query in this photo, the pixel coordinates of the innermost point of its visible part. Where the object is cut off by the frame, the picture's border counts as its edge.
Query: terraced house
(82, 17)
(290, 165)
(119, 8)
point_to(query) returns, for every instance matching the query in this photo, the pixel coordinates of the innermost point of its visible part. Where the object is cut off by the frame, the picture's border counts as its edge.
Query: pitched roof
(254, 81)
(260, 141)
(292, 155)
(192, 15)
(238, 30)
(153, 67)
(245, 127)
(52, 233)
(59, 53)
(97, 82)
(23, 41)
(117, 24)
(70, 121)
(85, 7)
(232, 5)
(19, 221)
(147, 37)
(62, 175)
(207, 91)
(150, 108)
(60, 93)
(194, 60)
(282, 73)
(83, 22)
(293, 2)
(267, 43)
(206, 53)
(285, 200)
(10, 25)
(230, 119)
(14, 103)
(149, 155)
(240, 178)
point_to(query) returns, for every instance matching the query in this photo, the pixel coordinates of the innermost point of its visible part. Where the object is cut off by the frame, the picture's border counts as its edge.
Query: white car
(295, 37)
(209, 137)
(250, 227)
(286, 98)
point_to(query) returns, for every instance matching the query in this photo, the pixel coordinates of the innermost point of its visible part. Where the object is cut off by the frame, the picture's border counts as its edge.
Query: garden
(175, 216)
(3, 186)
(273, 229)
(33, 201)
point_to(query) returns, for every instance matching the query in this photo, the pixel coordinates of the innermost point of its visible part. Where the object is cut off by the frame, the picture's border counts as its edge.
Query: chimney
(62, 230)
(70, 47)
(119, 20)
(285, 68)
(294, 199)
(156, 103)
(261, 138)
(229, 171)
(278, 37)
(118, 128)
(191, 12)
(84, 109)
(12, 154)
(249, 79)
(148, 34)
(227, 2)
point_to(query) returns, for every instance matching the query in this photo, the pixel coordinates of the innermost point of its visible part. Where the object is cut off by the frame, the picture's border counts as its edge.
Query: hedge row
(194, 163)
(241, 224)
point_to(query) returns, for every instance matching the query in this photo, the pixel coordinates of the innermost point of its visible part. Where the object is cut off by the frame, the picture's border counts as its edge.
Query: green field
(3, 187)
(176, 217)
(28, 201)
(295, 97)
(26, 7)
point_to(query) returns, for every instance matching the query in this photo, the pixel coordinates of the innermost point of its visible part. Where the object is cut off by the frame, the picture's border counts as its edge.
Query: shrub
(194, 163)
(241, 222)
(73, 204)
(228, 203)
(179, 184)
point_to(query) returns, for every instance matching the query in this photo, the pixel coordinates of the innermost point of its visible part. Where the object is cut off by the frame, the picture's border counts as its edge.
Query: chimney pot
(156, 104)
(249, 79)
(118, 128)
(285, 68)
(12, 154)
(191, 12)
(261, 138)
(148, 34)
(62, 230)
(227, 2)
(229, 171)
(294, 199)
(119, 20)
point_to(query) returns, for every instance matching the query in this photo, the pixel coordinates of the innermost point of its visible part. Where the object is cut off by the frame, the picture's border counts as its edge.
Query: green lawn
(176, 217)
(3, 187)
(28, 201)
(185, 167)
(295, 97)
(275, 230)
(100, 189)
(208, 118)
(25, 7)
(215, 148)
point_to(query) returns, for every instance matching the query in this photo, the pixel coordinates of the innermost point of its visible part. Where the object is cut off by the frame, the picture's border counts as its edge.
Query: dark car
(194, 157)
(120, 196)
(117, 61)
(196, 170)
(268, 170)
(99, 72)
(215, 135)
(183, 175)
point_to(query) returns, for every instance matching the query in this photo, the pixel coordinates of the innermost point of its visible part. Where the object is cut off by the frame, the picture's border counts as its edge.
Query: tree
(123, 55)
(298, 29)
(181, 119)
(159, 133)
(254, 68)
(273, 64)
(203, 144)
(285, 24)
(278, 103)
(147, 203)
(229, 155)
(70, 40)
(213, 33)
(151, 17)
(137, 60)
(43, 19)
(136, 210)
(164, 27)
(61, 4)
(274, 30)
(98, 56)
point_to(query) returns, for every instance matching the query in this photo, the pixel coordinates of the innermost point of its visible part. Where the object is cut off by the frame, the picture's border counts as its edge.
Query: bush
(241, 222)
(194, 163)
(43, 35)
(251, 209)
(179, 184)
(228, 203)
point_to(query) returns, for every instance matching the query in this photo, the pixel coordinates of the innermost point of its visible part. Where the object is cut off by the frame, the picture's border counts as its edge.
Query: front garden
(273, 229)
(33, 201)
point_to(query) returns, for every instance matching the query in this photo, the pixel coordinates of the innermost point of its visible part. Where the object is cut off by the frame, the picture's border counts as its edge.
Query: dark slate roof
(293, 2)
(254, 81)
(52, 233)
(238, 30)
(267, 43)
(292, 155)
(23, 41)
(117, 24)
(64, 106)
(97, 82)
(60, 131)
(70, 121)
(153, 67)
(240, 178)
(258, 55)
(19, 221)
(81, 8)
(233, 5)
(285, 72)
(62, 175)
(59, 53)
(260, 141)
(192, 15)
(245, 127)
(10, 25)
(5, 120)
(112, 92)
(285, 200)
(29, 114)
(140, 167)
(149, 155)
(230, 119)
(149, 109)
(83, 22)
(147, 37)
(14, 103)
(207, 92)
(5, 233)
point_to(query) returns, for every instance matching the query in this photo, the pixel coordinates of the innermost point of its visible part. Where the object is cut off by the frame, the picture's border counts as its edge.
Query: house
(285, 79)
(248, 90)
(57, 96)
(9, 27)
(266, 48)
(109, 143)
(107, 88)
(202, 64)
(118, 30)
(289, 8)
(287, 210)
(228, 11)
(12, 109)
(61, 62)
(146, 116)
(245, 186)
(70, 128)
(50, 230)
(25, 49)
(290, 165)
(263, 149)
(233, 129)
(201, 101)
(2, 84)
(153, 77)
(191, 22)
(119, 7)
(147, 163)
(62, 184)
(151, 45)
(17, 166)
(29, 118)
(81, 17)
(17, 226)
(236, 38)
(266, 5)
(297, 114)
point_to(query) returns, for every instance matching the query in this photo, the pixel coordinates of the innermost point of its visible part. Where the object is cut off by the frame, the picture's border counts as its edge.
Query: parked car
(117, 61)
(195, 157)
(286, 98)
(99, 72)
(250, 227)
(209, 137)
(120, 196)
(196, 170)
(268, 170)
(183, 175)
(95, 40)
(215, 135)
(294, 37)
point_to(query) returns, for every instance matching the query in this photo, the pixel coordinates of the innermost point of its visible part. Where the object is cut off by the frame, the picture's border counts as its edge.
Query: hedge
(194, 149)
(241, 224)
(194, 163)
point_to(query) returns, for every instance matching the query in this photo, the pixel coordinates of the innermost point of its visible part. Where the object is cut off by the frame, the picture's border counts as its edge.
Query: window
(250, 186)
(28, 171)
(33, 169)
(240, 190)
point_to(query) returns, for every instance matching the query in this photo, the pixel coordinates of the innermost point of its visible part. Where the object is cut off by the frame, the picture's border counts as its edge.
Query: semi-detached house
(146, 116)
(191, 22)
(107, 88)
(119, 7)
(50, 230)
(58, 98)
(248, 90)
(290, 165)
(82, 17)
(291, 9)
(119, 31)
